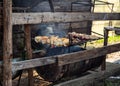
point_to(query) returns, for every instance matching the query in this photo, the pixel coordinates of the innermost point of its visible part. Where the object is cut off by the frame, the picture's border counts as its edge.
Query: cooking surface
(70, 39)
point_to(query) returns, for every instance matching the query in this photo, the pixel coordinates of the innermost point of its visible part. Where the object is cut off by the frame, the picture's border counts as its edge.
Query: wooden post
(7, 43)
(103, 66)
(105, 37)
(29, 52)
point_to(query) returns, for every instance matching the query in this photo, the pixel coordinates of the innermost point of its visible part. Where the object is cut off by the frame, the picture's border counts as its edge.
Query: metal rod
(51, 5)
(97, 33)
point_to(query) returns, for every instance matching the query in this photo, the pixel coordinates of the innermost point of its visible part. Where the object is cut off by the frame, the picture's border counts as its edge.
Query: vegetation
(112, 83)
(111, 39)
(99, 43)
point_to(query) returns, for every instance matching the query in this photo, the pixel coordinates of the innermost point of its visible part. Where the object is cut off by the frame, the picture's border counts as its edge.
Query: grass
(114, 39)
(112, 83)
(111, 40)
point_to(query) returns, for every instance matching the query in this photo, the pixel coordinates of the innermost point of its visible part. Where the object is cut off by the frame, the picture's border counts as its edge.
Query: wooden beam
(32, 63)
(110, 28)
(66, 58)
(29, 52)
(87, 54)
(7, 43)
(35, 18)
(88, 80)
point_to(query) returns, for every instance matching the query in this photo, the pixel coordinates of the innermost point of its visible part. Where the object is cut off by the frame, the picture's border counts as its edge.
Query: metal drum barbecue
(54, 72)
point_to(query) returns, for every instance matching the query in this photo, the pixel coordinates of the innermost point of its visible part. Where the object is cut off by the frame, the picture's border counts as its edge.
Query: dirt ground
(113, 57)
(38, 81)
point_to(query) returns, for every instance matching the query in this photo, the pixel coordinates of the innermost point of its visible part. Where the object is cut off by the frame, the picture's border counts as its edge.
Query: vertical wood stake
(103, 66)
(29, 52)
(7, 43)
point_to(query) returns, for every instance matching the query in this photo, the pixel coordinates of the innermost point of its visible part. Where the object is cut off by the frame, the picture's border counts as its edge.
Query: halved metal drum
(54, 72)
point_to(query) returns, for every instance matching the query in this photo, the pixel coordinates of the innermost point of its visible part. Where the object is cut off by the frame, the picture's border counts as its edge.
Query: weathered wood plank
(29, 52)
(34, 18)
(89, 79)
(110, 28)
(66, 58)
(87, 54)
(33, 63)
(7, 43)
